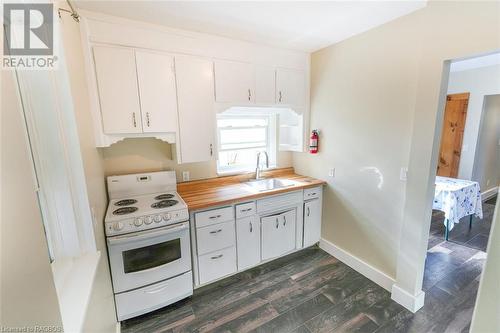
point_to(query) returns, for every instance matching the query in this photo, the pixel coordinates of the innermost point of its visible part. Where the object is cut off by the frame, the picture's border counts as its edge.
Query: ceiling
(300, 25)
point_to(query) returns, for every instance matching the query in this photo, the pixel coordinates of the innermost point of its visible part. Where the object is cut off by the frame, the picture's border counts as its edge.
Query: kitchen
(203, 158)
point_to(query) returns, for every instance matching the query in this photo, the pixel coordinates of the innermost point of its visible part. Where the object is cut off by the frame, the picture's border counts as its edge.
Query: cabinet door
(155, 74)
(278, 234)
(248, 242)
(312, 222)
(290, 87)
(265, 85)
(195, 98)
(118, 93)
(234, 82)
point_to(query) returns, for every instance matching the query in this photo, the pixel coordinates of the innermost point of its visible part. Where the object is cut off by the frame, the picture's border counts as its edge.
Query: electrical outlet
(185, 176)
(403, 174)
(331, 172)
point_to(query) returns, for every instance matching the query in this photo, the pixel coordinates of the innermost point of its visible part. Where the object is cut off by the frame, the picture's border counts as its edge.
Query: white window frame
(269, 147)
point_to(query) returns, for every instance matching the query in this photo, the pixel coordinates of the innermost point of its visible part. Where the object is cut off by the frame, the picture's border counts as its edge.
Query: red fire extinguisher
(313, 142)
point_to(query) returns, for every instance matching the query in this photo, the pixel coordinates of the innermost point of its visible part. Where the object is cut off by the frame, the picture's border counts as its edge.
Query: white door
(118, 92)
(158, 98)
(278, 234)
(265, 85)
(248, 242)
(195, 104)
(290, 87)
(234, 82)
(312, 222)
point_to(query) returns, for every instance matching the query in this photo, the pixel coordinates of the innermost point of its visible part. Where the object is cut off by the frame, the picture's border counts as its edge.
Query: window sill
(74, 278)
(242, 171)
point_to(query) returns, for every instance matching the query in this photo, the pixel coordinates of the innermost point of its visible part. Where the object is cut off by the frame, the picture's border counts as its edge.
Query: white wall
(479, 82)
(27, 292)
(487, 162)
(486, 312)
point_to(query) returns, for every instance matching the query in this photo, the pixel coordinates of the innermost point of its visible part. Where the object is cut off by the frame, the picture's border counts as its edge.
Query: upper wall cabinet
(118, 91)
(158, 96)
(234, 82)
(195, 95)
(290, 87)
(265, 85)
(136, 91)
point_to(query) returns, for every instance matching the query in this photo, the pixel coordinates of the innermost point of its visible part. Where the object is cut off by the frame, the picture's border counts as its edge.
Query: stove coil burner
(164, 196)
(125, 210)
(164, 204)
(125, 202)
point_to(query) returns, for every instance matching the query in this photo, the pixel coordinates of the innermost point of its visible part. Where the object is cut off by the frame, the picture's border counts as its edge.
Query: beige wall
(101, 315)
(376, 98)
(487, 162)
(28, 295)
(144, 155)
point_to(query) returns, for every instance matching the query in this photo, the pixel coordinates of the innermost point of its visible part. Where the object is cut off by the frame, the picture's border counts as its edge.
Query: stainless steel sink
(262, 185)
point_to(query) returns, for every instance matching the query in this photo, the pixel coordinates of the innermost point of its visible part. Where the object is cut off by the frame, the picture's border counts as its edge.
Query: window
(240, 138)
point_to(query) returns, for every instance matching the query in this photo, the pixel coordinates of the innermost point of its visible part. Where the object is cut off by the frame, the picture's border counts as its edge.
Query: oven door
(146, 257)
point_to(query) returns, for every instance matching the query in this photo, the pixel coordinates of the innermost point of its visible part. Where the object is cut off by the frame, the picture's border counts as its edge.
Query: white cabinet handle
(147, 119)
(133, 119)
(249, 95)
(284, 220)
(215, 231)
(214, 217)
(251, 227)
(216, 257)
(245, 210)
(280, 98)
(211, 150)
(308, 211)
(277, 223)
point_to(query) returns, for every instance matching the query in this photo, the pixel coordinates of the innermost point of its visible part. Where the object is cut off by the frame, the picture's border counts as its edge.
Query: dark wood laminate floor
(310, 291)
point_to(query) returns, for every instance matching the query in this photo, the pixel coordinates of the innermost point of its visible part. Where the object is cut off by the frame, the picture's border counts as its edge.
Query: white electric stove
(147, 229)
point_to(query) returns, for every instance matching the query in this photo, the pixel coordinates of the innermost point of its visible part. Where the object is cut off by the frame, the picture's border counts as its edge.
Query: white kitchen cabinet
(278, 234)
(290, 87)
(265, 85)
(158, 97)
(248, 242)
(312, 222)
(195, 104)
(118, 92)
(234, 82)
(217, 264)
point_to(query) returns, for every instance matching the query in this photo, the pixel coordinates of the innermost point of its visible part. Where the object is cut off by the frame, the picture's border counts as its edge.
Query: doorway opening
(467, 179)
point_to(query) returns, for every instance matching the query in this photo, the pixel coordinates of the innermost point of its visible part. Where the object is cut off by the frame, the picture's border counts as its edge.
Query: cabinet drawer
(215, 237)
(213, 216)
(312, 193)
(217, 264)
(281, 201)
(246, 209)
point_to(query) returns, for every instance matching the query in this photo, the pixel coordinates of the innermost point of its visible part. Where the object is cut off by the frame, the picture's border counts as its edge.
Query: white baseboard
(409, 301)
(380, 278)
(489, 193)
(118, 327)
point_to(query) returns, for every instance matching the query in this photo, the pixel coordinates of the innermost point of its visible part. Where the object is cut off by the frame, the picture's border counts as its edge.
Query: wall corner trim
(409, 301)
(372, 273)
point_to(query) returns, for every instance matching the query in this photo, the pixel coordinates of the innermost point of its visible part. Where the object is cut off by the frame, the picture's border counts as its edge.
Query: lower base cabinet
(278, 234)
(248, 242)
(217, 264)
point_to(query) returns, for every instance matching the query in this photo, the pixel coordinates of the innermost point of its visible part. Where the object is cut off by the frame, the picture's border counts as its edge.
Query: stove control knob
(148, 220)
(117, 226)
(166, 216)
(138, 222)
(157, 218)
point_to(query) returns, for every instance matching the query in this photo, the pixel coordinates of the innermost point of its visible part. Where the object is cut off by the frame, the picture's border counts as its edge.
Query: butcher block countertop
(219, 191)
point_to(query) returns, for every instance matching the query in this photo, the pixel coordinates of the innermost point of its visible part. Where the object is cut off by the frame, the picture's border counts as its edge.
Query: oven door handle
(147, 234)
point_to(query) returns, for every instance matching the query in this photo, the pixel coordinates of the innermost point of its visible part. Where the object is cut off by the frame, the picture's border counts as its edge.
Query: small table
(457, 198)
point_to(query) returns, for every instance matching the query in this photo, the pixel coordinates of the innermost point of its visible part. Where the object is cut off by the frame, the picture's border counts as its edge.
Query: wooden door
(118, 91)
(455, 115)
(195, 106)
(158, 96)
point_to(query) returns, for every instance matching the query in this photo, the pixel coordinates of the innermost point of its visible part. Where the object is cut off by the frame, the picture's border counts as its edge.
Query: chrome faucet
(258, 170)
